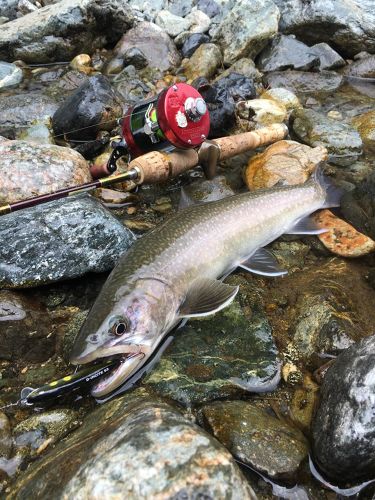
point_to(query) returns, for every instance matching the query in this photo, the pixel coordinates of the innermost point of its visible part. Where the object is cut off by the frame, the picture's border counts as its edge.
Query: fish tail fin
(333, 193)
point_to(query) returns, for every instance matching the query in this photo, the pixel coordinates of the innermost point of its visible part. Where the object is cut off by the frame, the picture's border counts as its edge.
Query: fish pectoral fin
(205, 297)
(263, 262)
(307, 225)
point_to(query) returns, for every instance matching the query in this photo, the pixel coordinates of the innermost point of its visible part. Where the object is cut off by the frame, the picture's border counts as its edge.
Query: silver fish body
(172, 272)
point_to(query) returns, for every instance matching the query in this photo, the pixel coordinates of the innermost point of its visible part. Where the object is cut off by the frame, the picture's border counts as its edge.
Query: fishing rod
(165, 135)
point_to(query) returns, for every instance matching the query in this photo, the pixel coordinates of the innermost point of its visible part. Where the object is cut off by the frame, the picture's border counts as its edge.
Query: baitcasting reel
(176, 118)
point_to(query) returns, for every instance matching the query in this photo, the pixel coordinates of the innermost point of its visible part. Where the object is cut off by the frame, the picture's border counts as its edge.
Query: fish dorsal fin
(306, 225)
(263, 262)
(205, 297)
(186, 200)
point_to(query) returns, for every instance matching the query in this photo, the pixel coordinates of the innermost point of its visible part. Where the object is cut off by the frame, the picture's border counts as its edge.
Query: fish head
(129, 327)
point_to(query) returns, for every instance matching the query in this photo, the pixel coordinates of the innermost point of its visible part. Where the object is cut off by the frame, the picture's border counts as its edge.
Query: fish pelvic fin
(264, 263)
(205, 297)
(333, 193)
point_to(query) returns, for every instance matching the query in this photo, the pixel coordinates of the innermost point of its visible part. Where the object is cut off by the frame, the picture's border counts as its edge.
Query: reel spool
(176, 118)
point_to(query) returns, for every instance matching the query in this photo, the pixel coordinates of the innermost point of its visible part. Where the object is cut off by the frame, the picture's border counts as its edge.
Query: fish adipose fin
(206, 297)
(263, 262)
(307, 225)
(333, 193)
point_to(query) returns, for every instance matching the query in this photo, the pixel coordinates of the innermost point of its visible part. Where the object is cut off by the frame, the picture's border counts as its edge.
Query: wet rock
(40, 131)
(365, 124)
(285, 52)
(38, 432)
(304, 82)
(246, 28)
(204, 62)
(62, 30)
(82, 63)
(363, 68)
(113, 197)
(5, 436)
(358, 206)
(30, 169)
(199, 21)
(116, 445)
(156, 45)
(221, 98)
(304, 403)
(222, 356)
(26, 331)
(70, 238)
(285, 162)
(347, 26)
(342, 141)
(329, 58)
(131, 88)
(10, 75)
(171, 24)
(257, 438)
(18, 111)
(208, 190)
(290, 254)
(92, 107)
(261, 112)
(135, 57)
(283, 96)
(341, 238)
(192, 43)
(243, 66)
(343, 427)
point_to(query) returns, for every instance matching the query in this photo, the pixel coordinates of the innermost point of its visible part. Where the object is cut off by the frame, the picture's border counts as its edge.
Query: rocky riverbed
(240, 403)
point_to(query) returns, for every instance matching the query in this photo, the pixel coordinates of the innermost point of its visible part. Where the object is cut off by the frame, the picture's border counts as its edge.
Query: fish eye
(120, 327)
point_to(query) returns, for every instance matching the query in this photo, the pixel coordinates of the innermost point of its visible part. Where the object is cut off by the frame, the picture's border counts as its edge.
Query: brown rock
(365, 124)
(30, 169)
(204, 62)
(288, 162)
(341, 238)
(112, 196)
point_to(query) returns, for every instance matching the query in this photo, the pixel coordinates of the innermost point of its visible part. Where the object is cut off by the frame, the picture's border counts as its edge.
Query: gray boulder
(305, 82)
(60, 31)
(59, 240)
(285, 52)
(8, 8)
(246, 28)
(348, 25)
(343, 427)
(329, 58)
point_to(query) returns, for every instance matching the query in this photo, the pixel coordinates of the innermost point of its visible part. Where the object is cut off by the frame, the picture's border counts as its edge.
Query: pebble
(200, 22)
(10, 75)
(284, 97)
(285, 162)
(257, 438)
(261, 112)
(343, 427)
(172, 24)
(342, 238)
(243, 66)
(204, 62)
(82, 63)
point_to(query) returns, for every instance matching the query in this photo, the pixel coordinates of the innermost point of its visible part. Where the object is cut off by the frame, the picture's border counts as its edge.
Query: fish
(176, 271)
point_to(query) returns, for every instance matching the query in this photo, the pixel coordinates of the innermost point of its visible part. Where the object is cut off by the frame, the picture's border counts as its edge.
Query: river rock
(192, 43)
(304, 82)
(200, 22)
(246, 28)
(285, 52)
(204, 62)
(26, 332)
(257, 438)
(5, 436)
(62, 30)
(172, 24)
(261, 112)
(343, 142)
(363, 68)
(69, 238)
(203, 191)
(243, 66)
(131, 88)
(283, 96)
(10, 75)
(343, 427)
(358, 206)
(28, 169)
(303, 404)
(92, 107)
(19, 111)
(8, 9)
(116, 445)
(156, 45)
(341, 238)
(349, 26)
(365, 124)
(222, 356)
(285, 162)
(209, 7)
(329, 58)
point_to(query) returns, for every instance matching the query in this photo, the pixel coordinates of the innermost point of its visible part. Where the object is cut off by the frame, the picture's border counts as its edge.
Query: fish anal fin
(306, 225)
(205, 297)
(263, 262)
